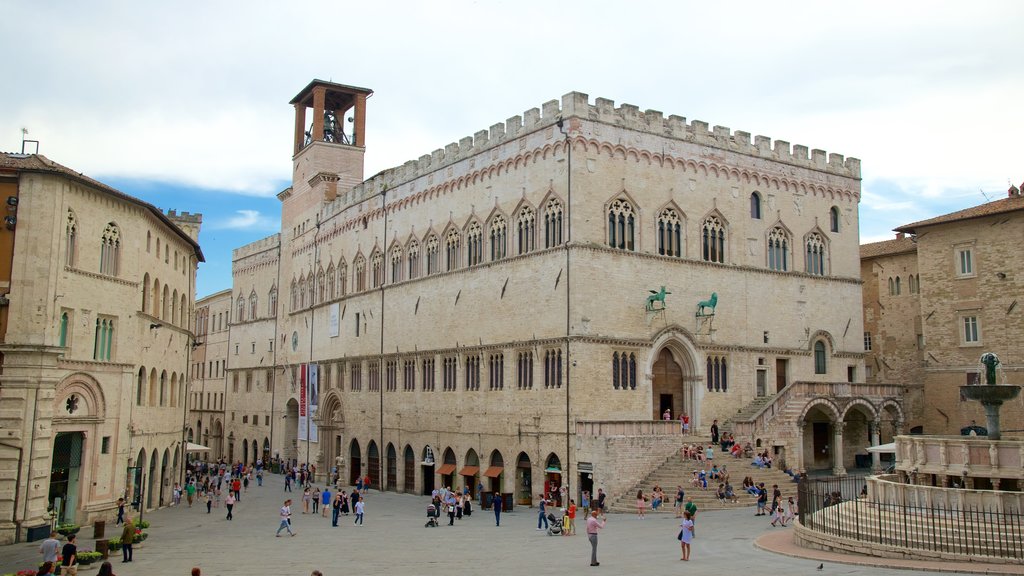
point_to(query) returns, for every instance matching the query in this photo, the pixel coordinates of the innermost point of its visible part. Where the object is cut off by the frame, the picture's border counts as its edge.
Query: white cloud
(247, 220)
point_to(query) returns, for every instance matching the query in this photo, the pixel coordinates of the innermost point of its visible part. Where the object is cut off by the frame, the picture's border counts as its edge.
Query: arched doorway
(217, 440)
(858, 429)
(553, 479)
(818, 424)
(447, 470)
(524, 479)
(409, 463)
(245, 449)
(255, 451)
(676, 376)
(291, 430)
(165, 477)
(151, 482)
(266, 450)
(428, 470)
(355, 462)
(391, 482)
(138, 482)
(470, 472)
(496, 472)
(373, 455)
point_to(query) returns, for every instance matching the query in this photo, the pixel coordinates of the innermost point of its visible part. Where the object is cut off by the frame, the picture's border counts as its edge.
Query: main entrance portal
(675, 377)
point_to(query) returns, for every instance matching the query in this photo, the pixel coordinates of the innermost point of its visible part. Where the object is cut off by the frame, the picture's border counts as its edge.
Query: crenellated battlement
(603, 110)
(185, 217)
(256, 247)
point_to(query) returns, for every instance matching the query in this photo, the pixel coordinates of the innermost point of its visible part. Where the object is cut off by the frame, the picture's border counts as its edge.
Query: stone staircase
(674, 472)
(751, 409)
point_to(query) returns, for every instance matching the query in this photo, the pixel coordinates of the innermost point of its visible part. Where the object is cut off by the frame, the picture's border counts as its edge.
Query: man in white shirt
(286, 518)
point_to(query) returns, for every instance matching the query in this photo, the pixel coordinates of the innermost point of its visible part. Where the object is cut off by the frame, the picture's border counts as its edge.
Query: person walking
(685, 535)
(542, 513)
(69, 557)
(120, 512)
(593, 526)
(641, 504)
(691, 509)
(190, 493)
(316, 499)
(236, 487)
(229, 503)
(286, 519)
(325, 500)
(600, 501)
(680, 498)
(288, 482)
(496, 505)
(49, 548)
(336, 508)
(127, 539)
(360, 510)
(570, 519)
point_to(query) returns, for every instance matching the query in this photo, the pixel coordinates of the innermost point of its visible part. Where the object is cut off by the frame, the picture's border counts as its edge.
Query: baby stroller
(554, 525)
(431, 517)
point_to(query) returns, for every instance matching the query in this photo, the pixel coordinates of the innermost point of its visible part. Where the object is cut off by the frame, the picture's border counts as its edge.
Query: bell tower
(328, 152)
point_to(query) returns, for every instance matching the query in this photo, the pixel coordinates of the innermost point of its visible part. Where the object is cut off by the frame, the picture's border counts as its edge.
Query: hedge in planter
(114, 544)
(87, 557)
(68, 529)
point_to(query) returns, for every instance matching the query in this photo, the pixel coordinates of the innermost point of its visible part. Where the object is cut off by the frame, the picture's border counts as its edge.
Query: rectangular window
(391, 375)
(965, 262)
(374, 376)
(357, 324)
(105, 445)
(356, 377)
(248, 381)
(970, 332)
(234, 383)
(867, 341)
(245, 419)
(428, 375)
(266, 420)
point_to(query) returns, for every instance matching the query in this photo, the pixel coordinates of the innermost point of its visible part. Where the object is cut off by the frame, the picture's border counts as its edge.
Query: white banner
(333, 320)
(313, 380)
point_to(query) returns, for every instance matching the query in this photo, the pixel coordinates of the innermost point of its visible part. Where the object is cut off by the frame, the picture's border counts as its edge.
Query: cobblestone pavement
(394, 541)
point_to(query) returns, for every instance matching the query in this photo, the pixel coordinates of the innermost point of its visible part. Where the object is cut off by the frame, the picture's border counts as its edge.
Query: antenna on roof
(24, 133)
(987, 199)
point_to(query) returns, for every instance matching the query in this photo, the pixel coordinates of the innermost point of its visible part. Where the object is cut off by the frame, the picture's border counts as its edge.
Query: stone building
(481, 315)
(209, 366)
(939, 296)
(97, 294)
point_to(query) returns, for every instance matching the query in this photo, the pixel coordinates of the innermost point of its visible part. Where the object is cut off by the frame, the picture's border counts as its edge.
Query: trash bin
(506, 502)
(103, 547)
(98, 529)
(486, 500)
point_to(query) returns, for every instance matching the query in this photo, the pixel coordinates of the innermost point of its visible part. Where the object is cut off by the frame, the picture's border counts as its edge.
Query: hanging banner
(303, 405)
(313, 378)
(309, 399)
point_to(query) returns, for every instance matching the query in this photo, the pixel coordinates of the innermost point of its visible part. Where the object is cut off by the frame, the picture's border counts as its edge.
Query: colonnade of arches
(163, 302)
(835, 436)
(157, 473)
(154, 388)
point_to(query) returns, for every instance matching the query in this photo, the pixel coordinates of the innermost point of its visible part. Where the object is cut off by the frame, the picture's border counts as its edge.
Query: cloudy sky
(185, 104)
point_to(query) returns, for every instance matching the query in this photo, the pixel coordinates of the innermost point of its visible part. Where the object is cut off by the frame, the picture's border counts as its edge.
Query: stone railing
(888, 489)
(760, 420)
(966, 456)
(628, 428)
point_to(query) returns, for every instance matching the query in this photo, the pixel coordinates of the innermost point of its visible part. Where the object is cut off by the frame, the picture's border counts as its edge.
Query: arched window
(342, 278)
(717, 374)
(452, 245)
(376, 269)
(70, 238)
(145, 292)
(778, 249)
(526, 233)
(621, 225)
(552, 223)
(474, 244)
(833, 219)
(140, 381)
(321, 285)
(295, 295)
(253, 303)
(63, 330)
(820, 366)
(110, 250)
(396, 264)
(898, 289)
(498, 237)
(359, 274)
(815, 254)
(892, 287)
(309, 289)
(755, 206)
(615, 371)
(240, 309)
(670, 234)
(713, 240)
(433, 255)
(413, 259)
(331, 281)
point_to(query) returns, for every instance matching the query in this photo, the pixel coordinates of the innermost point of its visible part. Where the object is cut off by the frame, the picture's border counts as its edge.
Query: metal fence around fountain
(839, 506)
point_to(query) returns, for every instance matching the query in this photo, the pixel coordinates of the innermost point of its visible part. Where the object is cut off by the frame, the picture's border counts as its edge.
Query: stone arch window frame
(240, 308)
(358, 274)
(623, 370)
(816, 253)
(452, 248)
(376, 264)
(71, 239)
(412, 259)
(432, 250)
(834, 219)
(553, 212)
(717, 373)
(714, 238)
(670, 231)
(755, 205)
(496, 371)
(553, 368)
(110, 250)
(65, 327)
(331, 281)
(103, 343)
(294, 296)
(321, 284)
(396, 261)
(310, 288)
(342, 277)
(524, 370)
(474, 234)
(779, 243)
(254, 302)
(497, 236)
(820, 350)
(472, 365)
(622, 223)
(526, 229)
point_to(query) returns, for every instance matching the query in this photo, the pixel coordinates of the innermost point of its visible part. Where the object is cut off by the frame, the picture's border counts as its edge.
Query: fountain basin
(990, 393)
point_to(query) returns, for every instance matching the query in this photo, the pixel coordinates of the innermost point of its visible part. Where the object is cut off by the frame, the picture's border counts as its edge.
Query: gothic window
(64, 325)
(356, 376)
(359, 275)
(331, 281)
(717, 374)
(391, 375)
(623, 371)
(110, 250)
(552, 223)
(104, 339)
(755, 206)
(309, 289)
(413, 259)
(377, 269)
(815, 254)
(427, 379)
(473, 372)
(670, 233)
(272, 301)
(374, 369)
(70, 238)
(498, 237)
(295, 295)
(448, 381)
(409, 375)
(496, 371)
(396, 265)
(433, 255)
(833, 219)
(302, 291)
(778, 249)
(713, 240)
(621, 225)
(321, 285)
(342, 278)
(820, 366)
(474, 244)
(553, 368)
(253, 303)
(240, 307)
(452, 248)
(615, 371)
(526, 232)
(898, 289)
(524, 371)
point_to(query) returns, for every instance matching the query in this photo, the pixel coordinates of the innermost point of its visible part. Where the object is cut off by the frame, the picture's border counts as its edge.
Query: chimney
(900, 235)
(1014, 192)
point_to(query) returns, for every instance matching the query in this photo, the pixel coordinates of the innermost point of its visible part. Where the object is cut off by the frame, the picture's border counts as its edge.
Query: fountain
(990, 394)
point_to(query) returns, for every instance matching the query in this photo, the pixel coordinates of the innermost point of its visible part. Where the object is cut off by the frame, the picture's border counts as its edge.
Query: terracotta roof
(12, 164)
(888, 247)
(988, 209)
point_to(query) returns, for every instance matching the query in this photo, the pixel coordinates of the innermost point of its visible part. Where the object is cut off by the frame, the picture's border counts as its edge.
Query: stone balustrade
(961, 456)
(886, 488)
(628, 428)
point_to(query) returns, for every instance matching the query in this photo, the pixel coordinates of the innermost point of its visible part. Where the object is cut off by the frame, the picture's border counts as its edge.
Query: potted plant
(141, 536)
(68, 529)
(86, 557)
(114, 544)
(142, 524)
